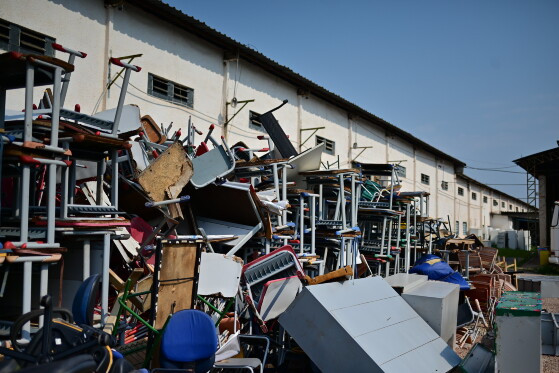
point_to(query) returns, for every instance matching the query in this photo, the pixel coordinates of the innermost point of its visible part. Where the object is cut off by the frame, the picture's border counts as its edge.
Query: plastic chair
(85, 299)
(212, 165)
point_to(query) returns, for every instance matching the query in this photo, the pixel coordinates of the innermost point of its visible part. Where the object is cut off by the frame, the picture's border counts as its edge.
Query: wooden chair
(488, 257)
(481, 293)
(475, 264)
(488, 280)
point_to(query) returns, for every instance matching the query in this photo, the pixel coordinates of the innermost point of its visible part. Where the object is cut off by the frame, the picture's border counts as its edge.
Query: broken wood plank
(165, 177)
(119, 285)
(339, 274)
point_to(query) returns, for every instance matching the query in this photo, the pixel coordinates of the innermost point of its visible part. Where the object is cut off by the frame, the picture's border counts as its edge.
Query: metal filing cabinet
(518, 341)
(364, 326)
(404, 282)
(437, 303)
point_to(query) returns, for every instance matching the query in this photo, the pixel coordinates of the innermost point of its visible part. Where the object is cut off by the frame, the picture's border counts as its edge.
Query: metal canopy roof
(531, 162)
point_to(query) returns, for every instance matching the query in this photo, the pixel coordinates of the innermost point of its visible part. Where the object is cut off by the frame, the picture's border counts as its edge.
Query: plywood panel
(167, 175)
(177, 278)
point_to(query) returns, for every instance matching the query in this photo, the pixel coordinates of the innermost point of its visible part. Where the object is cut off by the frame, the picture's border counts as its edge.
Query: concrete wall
(216, 78)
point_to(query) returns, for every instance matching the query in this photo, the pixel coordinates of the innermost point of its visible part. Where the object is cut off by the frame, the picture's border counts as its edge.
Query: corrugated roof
(190, 24)
(205, 32)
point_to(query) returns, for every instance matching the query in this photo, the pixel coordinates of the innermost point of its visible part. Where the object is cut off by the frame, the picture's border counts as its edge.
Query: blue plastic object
(116, 354)
(84, 300)
(189, 336)
(436, 269)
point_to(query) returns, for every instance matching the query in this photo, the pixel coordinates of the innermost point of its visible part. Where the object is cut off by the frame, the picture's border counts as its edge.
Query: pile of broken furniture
(185, 254)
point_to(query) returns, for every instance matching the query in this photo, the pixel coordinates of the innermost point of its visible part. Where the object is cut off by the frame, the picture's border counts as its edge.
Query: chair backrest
(488, 256)
(474, 259)
(189, 336)
(84, 300)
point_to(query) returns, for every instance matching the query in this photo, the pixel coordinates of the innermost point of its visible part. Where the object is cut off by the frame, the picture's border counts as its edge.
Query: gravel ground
(550, 364)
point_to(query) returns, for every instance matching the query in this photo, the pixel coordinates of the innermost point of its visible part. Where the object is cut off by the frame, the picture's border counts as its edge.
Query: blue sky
(477, 79)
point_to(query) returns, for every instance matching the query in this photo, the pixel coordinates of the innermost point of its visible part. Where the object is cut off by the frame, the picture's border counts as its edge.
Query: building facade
(192, 71)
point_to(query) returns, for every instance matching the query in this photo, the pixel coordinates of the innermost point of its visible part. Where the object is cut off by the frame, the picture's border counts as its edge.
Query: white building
(189, 69)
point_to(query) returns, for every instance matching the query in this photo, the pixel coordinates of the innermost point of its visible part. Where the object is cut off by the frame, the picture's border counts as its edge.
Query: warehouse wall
(216, 78)
(79, 26)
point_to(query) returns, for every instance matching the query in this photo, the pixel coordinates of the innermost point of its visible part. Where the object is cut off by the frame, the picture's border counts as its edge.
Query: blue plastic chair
(84, 300)
(189, 342)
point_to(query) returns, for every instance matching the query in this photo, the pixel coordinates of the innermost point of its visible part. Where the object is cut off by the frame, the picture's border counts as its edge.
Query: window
(464, 228)
(523, 210)
(460, 191)
(254, 121)
(330, 147)
(444, 185)
(484, 199)
(400, 171)
(171, 91)
(474, 196)
(20, 39)
(510, 207)
(425, 179)
(503, 205)
(517, 209)
(457, 227)
(495, 203)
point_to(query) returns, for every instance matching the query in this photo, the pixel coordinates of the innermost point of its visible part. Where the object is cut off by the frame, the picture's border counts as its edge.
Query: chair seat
(238, 363)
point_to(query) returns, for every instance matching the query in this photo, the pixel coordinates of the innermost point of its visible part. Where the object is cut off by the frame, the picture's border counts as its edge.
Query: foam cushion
(189, 336)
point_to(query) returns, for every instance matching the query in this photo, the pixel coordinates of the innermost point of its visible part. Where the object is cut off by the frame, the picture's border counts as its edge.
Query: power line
(484, 161)
(499, 168)
(495, 170)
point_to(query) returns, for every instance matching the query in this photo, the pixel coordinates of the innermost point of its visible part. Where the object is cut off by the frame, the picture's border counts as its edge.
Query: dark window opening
(171, 91)
(15, 38)
(330, 146)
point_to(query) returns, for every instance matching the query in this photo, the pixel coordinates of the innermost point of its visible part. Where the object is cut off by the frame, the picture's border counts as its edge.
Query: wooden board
(259, 162)
(329, 172)
(167, 175)
(178, 276)
(84, 223)
(337, 275)
(119, 284)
